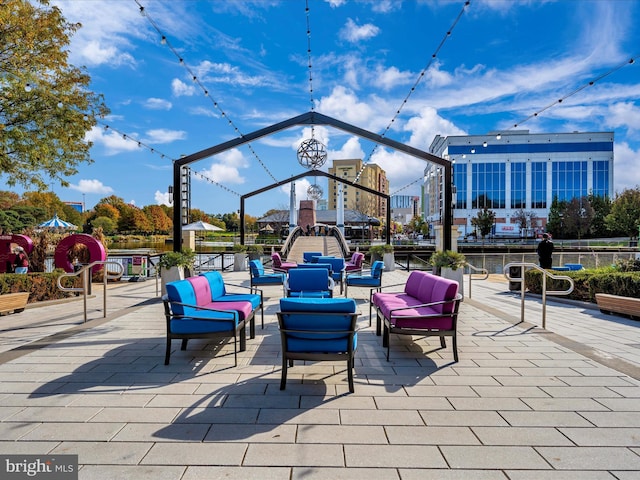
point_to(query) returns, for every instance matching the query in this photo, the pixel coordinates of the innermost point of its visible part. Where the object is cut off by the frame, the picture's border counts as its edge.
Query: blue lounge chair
(309, 283)
(259, 277)
(318, 329)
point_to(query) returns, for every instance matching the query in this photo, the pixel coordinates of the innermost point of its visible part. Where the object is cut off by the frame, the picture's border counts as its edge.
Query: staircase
(329, 246)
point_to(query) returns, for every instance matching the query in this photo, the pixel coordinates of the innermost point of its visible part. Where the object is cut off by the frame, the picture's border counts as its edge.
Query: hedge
(41, 286)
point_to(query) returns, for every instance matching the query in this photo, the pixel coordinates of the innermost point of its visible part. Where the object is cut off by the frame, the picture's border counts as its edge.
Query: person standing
(21, 262)
(544, 250)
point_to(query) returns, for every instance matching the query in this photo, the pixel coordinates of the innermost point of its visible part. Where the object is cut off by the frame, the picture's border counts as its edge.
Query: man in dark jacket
(545, 249)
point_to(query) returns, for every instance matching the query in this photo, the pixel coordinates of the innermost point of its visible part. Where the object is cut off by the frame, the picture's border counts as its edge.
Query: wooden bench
(13, 302)
(628, 306)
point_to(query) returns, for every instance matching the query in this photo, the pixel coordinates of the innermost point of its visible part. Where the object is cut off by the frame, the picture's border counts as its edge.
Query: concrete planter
(239, 262)
(457, 275)
(170, 275)
(389, 260)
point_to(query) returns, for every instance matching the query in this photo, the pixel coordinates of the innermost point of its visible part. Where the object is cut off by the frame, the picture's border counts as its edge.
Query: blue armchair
(373, 280)
(318, 329)
(259, 277)
(308, 257)
(309, 283)
(338, 269)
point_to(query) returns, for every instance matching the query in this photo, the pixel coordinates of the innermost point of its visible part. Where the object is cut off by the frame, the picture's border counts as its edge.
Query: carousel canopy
(56, 222)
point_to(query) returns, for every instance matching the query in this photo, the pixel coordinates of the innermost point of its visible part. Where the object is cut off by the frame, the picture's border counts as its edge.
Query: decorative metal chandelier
(314, 192)
(312, 154)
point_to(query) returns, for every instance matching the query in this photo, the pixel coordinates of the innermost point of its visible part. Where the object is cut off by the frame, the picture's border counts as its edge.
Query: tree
(625, 213)
(601, 208)
(159, 220)
(524, 219)
(46, 106)
(555, 221)
(577, 217)
(484, 222)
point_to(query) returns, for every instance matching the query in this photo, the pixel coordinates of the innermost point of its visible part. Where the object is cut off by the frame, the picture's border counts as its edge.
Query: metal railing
(85, 271)
(545, 273)
(475, 270)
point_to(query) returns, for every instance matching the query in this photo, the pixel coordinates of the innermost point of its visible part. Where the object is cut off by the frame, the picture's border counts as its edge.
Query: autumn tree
(46, 106)
(159, 220)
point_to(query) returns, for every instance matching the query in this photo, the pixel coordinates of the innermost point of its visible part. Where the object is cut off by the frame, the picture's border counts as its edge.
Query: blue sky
(503, 61)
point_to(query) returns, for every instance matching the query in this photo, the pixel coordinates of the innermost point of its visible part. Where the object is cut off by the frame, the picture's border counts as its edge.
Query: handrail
(291, 238)
(545, 274)
(85, 271)
(475, 270)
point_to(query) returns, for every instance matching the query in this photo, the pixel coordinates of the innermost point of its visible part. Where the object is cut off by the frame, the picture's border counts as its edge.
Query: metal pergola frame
(310, 118)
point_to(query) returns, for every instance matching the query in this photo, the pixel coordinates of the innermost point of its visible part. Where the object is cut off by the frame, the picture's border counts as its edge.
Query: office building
(515, 171)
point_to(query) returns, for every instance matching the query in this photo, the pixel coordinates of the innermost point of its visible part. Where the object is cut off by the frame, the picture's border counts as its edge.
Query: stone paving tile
(602, 437)
(431, 436)
(463, 418)
(489, 457)
(129, 453)
(138, 415)
(237, 473)
(591, 458)
(380, 417)
(393, 456)
(565, 404)
(315, 473)
(343, 434)
(545, 419)
(561, 475)
(162, 432)
(117, 472)
(486, 403)
(252, 433)
(613, 419)
(61, 414)
(521, 436)
(89, 432)
(195, 454)
(26, 448)
(299, 416)
(413, 403)
(440, 474)
(586, 392)
(297, 455)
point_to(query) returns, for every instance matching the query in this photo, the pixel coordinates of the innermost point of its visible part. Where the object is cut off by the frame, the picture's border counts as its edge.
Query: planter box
(457, 275)
(239, 262)
(389, 260)
(170, 275)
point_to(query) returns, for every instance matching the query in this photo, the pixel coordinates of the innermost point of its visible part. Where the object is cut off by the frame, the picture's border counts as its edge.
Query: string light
(631, 61)
(197, 81)
(311, 102)
(413, 88)
(406, 186)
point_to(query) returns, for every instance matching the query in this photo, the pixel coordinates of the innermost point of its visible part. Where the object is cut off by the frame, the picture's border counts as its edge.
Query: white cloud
(162, 198)
(181, 89)
(390, 78)
(626, 164)
(426, 125)
(112, 141)
(204, 111)
(158, 104)
(624, 115)
(385, 6)
(302, 185)
(350, 149)
(344, 104)
(225, 168)
(212, 72)
(336, 3)
(91, 186)
(353, 33)
(163, 135)
(401, 169)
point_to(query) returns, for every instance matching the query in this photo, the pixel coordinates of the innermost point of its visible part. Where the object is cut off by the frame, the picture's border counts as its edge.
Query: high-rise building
(404, 208)
(371, 176)
(512, 172)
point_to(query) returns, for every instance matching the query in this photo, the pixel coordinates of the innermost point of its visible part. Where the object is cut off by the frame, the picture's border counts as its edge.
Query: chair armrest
(198, 307)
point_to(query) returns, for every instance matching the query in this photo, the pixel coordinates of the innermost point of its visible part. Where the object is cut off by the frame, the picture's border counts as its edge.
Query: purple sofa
(428, 306)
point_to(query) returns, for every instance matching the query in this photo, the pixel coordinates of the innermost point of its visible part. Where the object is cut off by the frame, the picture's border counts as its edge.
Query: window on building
(539, 185)
(488, 186)
(569, 180)
(601, 178)
(518, 185)
(460, 182)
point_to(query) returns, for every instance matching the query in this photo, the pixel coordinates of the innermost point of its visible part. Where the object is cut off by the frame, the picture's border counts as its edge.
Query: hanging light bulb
(484, 144)
(473, 150)
(498, 137)
(27, 87)
(163, 40)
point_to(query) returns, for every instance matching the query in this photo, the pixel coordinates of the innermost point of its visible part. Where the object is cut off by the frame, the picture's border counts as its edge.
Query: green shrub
(41, 286)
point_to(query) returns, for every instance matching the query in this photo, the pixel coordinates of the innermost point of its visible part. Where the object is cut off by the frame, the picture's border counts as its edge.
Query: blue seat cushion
(269, 279)
(311, 294)
(316, 345)
(365, 280)
(186, 326)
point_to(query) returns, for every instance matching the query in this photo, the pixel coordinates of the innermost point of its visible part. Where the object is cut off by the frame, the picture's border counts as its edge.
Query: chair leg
(235, 347)
(243, 339)
(454, 344)
(168, 352)
(184, 344)
(350, 374)
(283, 376)
(443, 342)
(378, 323)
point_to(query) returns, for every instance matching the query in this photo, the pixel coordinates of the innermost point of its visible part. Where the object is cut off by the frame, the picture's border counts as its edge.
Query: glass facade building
(515, 171)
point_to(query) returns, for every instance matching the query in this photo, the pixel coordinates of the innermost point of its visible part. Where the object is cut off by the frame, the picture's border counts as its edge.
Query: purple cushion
(412, 287)
(201, 288)
(244, 309)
